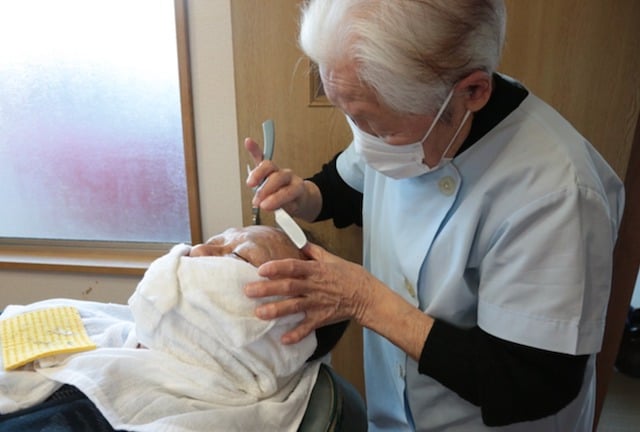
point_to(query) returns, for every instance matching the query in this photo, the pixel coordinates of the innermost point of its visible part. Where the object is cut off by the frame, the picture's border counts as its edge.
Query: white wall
(216, 140)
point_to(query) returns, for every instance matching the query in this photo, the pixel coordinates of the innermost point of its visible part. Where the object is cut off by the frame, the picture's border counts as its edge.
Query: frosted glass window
(91, 139)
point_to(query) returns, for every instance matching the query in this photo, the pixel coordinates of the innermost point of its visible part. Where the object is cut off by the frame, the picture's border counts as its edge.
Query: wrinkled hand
(279, 187)
(327, 289)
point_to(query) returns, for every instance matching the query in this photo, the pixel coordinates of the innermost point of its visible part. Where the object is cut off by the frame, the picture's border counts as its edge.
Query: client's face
(255, 244)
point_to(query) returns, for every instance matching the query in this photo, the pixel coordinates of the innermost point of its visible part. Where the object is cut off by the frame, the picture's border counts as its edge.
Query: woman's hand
(327, 289)
(281, 188)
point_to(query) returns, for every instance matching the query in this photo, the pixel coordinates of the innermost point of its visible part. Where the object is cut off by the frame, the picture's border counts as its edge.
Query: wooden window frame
(115, 257)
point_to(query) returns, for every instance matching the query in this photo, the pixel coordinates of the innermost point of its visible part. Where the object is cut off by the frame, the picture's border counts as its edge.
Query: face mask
(400, 161)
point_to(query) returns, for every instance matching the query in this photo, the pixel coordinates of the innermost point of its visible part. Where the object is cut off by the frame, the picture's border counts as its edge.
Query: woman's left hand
(326, 288)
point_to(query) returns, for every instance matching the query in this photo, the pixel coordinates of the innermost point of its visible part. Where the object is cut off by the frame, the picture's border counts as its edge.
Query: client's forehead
(256, 233)
(264, 242)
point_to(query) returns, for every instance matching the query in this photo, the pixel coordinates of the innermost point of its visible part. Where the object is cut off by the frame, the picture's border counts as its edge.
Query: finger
(272, 287)
(267, 178)
(311, 322)
(258, 177)
(277, 309)
(314, 251)
(254, 150)
(297, 334)
(283, 191)
(277, 199)
(286, 268)
(307, 249)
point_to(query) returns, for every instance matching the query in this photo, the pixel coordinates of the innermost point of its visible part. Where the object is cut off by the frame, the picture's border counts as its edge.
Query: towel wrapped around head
(211, 364)
(195, 309)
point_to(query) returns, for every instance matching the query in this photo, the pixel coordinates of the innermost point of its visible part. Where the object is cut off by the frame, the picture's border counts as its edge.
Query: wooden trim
(117, 260)
(626, 261)
(120, 258)
(317, 97)
(188, 128)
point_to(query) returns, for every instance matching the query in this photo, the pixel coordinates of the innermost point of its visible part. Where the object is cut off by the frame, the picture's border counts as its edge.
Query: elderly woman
(186, 354)
(489, 223)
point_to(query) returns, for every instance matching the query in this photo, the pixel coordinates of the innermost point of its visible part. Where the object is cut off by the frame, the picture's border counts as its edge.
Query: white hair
(410, 52)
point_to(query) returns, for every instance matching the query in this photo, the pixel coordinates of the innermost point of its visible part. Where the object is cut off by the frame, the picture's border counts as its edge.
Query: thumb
(314, 251)
(254, 150)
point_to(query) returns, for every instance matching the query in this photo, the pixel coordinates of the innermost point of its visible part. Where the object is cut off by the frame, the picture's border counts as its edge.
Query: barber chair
(335, 405)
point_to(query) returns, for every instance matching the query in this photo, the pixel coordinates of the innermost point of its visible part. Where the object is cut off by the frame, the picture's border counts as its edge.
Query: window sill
(116, 261)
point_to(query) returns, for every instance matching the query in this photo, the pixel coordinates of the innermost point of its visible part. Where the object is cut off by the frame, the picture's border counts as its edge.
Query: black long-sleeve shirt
(509, 382)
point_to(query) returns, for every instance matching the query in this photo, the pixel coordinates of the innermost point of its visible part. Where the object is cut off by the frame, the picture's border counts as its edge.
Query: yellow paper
(42, 333)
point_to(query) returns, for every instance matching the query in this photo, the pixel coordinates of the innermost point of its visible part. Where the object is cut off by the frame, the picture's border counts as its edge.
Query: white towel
(108, 325)
(211, 364)
(194, 309)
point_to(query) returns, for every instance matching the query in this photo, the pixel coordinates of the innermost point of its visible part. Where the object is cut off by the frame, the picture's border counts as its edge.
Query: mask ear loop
(455, 135)
(438, 115)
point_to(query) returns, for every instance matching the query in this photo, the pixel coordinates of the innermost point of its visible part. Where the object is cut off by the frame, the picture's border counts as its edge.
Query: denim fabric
(67, 410)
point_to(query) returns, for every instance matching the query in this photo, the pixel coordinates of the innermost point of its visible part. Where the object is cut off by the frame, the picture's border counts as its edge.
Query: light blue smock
(515, 235)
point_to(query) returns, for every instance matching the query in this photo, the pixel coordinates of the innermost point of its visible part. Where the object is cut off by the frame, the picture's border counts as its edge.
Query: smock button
(401, 372)
(409, 287)
(447, 185)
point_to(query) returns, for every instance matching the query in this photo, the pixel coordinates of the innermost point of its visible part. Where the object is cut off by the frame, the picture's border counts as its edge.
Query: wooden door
(582, 56)
(273, 81)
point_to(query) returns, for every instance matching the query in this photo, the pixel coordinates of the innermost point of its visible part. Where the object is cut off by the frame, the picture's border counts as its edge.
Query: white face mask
(400, 161)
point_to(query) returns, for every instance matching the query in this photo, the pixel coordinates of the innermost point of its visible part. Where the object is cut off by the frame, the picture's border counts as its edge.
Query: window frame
(120, 258)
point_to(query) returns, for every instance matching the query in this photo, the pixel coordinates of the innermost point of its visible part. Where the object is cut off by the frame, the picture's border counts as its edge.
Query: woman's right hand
(281, 188)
